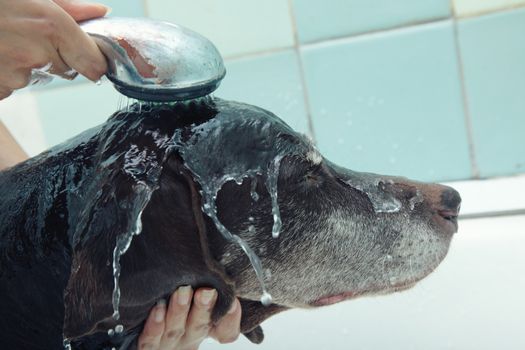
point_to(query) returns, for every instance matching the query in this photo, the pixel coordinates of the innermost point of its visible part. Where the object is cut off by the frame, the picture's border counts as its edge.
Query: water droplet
(98, 82)
(67, 344)
(253, 190)
(266, 298)
(374, 188)
(418, 198)
(119, 329)
(111, 332)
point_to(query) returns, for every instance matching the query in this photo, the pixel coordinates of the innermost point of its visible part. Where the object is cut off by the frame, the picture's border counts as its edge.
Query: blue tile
(128, 8)
(493, 55)
(272, 82)
(236, 27)
(391, 103)
(318, 20)
(67, 111)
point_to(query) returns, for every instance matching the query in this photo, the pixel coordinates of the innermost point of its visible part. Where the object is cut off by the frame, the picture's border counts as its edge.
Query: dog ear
(253, 314)
(171, 251)
(91, 279)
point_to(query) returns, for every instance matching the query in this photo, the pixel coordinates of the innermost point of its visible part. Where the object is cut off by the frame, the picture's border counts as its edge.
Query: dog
(95, 231)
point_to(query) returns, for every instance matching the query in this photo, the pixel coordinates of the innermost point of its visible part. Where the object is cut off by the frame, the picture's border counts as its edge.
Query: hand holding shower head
(156, 61)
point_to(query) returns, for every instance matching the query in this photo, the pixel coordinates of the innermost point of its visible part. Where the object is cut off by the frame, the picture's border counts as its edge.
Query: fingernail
(183, 295)
(108, 10)
(233, 307)
(161, 310)
(207, 295)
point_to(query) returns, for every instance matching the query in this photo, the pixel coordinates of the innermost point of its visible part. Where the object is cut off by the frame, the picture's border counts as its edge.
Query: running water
(123, 243)
(210, 210)
(271, 184)
(265, 141)
(374, 187)
(253, 190)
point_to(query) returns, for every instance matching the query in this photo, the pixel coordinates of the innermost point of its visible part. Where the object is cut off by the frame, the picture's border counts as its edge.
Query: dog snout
(450, 203)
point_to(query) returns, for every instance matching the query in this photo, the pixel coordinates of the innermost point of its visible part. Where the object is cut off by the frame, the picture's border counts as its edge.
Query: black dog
(167, 195)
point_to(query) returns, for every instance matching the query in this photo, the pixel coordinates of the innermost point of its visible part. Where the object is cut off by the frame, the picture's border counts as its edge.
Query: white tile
(20, 114)
(69, 110)
(235, 26)
(473, 7)
(491, 196)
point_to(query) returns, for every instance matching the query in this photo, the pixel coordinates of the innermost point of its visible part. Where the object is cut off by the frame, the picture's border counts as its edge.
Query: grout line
(346, 37)
(258, 53)
(488, 12)
(465, 101)
(301, 72)
(451, 7)
(145, 8)
(492, 214)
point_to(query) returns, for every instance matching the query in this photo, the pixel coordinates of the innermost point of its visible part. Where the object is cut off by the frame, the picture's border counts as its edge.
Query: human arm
(10, 151)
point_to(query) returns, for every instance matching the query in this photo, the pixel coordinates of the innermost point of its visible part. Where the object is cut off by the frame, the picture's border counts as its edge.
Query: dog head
(321, 233)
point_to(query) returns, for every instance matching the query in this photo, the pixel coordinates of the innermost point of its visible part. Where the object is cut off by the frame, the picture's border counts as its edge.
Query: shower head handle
(156, 61)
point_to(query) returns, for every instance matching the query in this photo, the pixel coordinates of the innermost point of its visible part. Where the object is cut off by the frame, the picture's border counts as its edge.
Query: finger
(198, 324)
(176, 317)
(60, 68)
(15, 79)
(227, 330)
(43, 48)
(154, 327)
(82, 11)
(78, 50)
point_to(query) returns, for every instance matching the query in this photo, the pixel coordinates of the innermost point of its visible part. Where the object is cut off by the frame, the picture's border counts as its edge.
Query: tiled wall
(430, 90)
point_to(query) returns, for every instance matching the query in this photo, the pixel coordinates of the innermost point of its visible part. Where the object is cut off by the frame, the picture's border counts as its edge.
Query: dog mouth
(448, 219)
(334, 298)
(378, 290)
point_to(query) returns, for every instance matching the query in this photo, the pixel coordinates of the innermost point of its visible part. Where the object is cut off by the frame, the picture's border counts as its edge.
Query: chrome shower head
(156, 61)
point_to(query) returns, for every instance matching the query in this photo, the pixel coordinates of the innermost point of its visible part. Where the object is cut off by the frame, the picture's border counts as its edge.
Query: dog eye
(313, 175)
(312, 178)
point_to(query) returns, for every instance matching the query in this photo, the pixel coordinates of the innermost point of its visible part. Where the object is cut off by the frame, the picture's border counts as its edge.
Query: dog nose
(450, 203)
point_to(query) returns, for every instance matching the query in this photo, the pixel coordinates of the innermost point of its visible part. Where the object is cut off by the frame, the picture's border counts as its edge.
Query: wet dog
(95, 231)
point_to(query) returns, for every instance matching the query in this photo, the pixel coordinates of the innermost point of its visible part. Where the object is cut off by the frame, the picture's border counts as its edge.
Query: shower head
(156, 61)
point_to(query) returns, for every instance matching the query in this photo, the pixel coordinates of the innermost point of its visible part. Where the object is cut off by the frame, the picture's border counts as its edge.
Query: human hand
(34, 33)
(178, 327)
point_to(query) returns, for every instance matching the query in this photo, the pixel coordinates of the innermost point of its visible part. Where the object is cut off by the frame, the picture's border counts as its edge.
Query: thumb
(81, 11)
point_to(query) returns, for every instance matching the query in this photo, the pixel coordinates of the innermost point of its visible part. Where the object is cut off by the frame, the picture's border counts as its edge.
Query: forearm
(10, 152)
